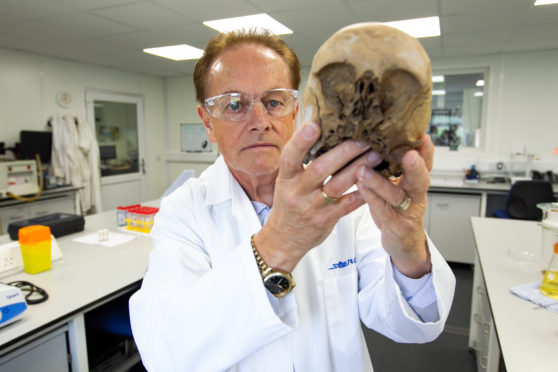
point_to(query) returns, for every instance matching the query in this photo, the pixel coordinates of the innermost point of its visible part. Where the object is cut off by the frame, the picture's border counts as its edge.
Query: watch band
(272, 277)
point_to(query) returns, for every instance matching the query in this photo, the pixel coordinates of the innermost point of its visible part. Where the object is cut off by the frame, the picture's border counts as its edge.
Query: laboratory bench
(63, 199)
(503, 326)
(87, 277)
(451, 203)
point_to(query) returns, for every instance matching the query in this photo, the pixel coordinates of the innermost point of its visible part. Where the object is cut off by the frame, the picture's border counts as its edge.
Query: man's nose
(258, 118)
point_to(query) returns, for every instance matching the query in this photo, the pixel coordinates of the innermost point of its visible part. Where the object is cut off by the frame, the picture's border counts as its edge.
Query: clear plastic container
(122, 214)
(35, 244)
(141, 219)
(549, 286)
(549, 233)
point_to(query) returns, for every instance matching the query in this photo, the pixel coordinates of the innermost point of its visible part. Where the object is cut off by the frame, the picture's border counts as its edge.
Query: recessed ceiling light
(480, 83)
(438, 78)
(255, 21)
(418, 27)
(479, 94)
(176, 52)
(545, 2)
(440, 92)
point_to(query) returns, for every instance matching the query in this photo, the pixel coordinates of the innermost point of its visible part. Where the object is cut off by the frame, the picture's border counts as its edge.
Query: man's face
(250, 147)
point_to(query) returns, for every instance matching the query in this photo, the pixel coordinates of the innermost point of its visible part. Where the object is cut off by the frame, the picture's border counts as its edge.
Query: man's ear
(206, 119)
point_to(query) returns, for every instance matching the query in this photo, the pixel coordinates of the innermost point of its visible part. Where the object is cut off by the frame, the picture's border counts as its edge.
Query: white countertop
(85, 276)
(527, 333)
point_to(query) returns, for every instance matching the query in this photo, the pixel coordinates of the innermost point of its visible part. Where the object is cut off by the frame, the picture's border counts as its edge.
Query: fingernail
(364, 173)
(374, 157)
(309, 129)
(362, 144)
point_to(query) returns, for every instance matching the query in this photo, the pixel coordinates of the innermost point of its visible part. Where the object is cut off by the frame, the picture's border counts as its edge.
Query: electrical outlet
(10, 258)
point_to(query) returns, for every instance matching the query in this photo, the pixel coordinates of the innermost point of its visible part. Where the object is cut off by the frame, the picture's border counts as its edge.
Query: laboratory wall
(521, 108)
(521, 111)
(29, 85)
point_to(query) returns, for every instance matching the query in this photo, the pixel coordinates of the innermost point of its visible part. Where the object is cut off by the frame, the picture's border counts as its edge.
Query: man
(230, 246)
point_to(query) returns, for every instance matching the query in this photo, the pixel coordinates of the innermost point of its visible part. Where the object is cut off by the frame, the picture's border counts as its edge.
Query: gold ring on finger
(329, 199)
(404, 205)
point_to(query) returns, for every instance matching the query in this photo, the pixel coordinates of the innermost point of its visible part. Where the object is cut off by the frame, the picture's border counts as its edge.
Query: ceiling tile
(327, 20)
(43, 34)
(473, 50)
(123, 59)
(453, 7)
(32, 9)
(474, 38)
(538, 15)
(17, 43)
(141, 39)
(88, 24)
(393, 10)
(519, 46)
(94, 5)
(547, 32)
(283, 5)
(113, 32)
(478, 21)
(207, 10)
(431, 42)
(143, 16)
(194, 34)
(8, 19)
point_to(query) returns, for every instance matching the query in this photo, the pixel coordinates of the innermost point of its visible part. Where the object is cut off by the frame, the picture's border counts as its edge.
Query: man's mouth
(259, 145)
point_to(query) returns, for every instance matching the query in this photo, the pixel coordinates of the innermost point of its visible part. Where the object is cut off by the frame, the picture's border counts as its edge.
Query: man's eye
(274, 104)
(234, 106)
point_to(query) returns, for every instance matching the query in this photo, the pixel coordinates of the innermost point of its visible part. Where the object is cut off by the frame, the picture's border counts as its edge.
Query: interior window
(457, 104)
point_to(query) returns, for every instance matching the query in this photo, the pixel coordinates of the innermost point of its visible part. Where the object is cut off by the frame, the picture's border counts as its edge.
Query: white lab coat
(75, 159)
(202, 305)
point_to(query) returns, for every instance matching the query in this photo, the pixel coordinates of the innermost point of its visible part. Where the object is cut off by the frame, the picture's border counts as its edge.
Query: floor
(449, 352)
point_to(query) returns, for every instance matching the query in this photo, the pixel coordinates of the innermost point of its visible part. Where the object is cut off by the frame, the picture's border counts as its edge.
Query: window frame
(485, 69)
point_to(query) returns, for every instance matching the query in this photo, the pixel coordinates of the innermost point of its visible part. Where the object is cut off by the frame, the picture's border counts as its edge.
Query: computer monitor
(35, 142)
(107, 152)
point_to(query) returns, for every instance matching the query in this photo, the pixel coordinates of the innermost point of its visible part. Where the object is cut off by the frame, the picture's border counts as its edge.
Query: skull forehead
(358, 44)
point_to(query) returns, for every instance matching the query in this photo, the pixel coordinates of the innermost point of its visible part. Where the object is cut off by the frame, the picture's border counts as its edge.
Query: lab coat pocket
(342, 314)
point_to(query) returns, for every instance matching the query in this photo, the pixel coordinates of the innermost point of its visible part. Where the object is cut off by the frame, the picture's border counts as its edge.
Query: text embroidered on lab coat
(342, 264)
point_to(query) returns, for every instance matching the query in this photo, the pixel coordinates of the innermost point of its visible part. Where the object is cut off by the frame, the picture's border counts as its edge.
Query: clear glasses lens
(237, 106)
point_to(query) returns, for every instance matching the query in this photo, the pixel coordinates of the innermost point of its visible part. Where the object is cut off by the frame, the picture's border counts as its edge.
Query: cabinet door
(12, 214)
(449, 224)
(48, 353)
(55, 205)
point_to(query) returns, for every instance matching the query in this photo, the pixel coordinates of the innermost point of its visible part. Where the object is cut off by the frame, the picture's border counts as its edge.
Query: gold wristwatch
(278, 282)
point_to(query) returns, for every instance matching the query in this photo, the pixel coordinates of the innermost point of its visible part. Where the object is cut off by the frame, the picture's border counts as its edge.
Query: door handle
(143, 165)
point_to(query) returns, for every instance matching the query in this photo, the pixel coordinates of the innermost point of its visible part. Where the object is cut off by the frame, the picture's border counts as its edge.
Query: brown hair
(225, 41)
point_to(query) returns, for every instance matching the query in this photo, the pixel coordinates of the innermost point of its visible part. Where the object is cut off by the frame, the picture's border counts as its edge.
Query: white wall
(522, 107)
(28, 87)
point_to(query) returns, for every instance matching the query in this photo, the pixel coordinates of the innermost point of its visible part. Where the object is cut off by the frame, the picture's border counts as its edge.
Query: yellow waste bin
(35, 242)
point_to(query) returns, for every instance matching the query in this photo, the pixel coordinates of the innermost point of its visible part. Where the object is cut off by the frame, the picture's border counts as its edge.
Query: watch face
(278, 284)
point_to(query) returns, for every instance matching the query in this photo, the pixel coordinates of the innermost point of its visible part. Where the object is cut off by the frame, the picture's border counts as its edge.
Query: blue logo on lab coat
(342, 264)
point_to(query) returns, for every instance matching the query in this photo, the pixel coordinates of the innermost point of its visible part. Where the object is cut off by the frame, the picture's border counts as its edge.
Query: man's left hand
(403, 235)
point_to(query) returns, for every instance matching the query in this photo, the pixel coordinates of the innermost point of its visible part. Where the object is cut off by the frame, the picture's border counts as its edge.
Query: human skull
(373, 83)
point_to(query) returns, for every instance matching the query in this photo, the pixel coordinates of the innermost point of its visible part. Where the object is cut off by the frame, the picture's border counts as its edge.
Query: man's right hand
(301, 217)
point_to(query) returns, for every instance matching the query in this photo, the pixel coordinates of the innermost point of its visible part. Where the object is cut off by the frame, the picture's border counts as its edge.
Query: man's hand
(403, 234)
(302, 218)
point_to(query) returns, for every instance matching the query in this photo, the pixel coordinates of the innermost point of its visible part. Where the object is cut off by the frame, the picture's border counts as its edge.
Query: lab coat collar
(222, 187)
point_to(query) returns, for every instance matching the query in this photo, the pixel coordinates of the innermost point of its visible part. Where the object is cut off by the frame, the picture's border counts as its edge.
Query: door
(118, 122)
